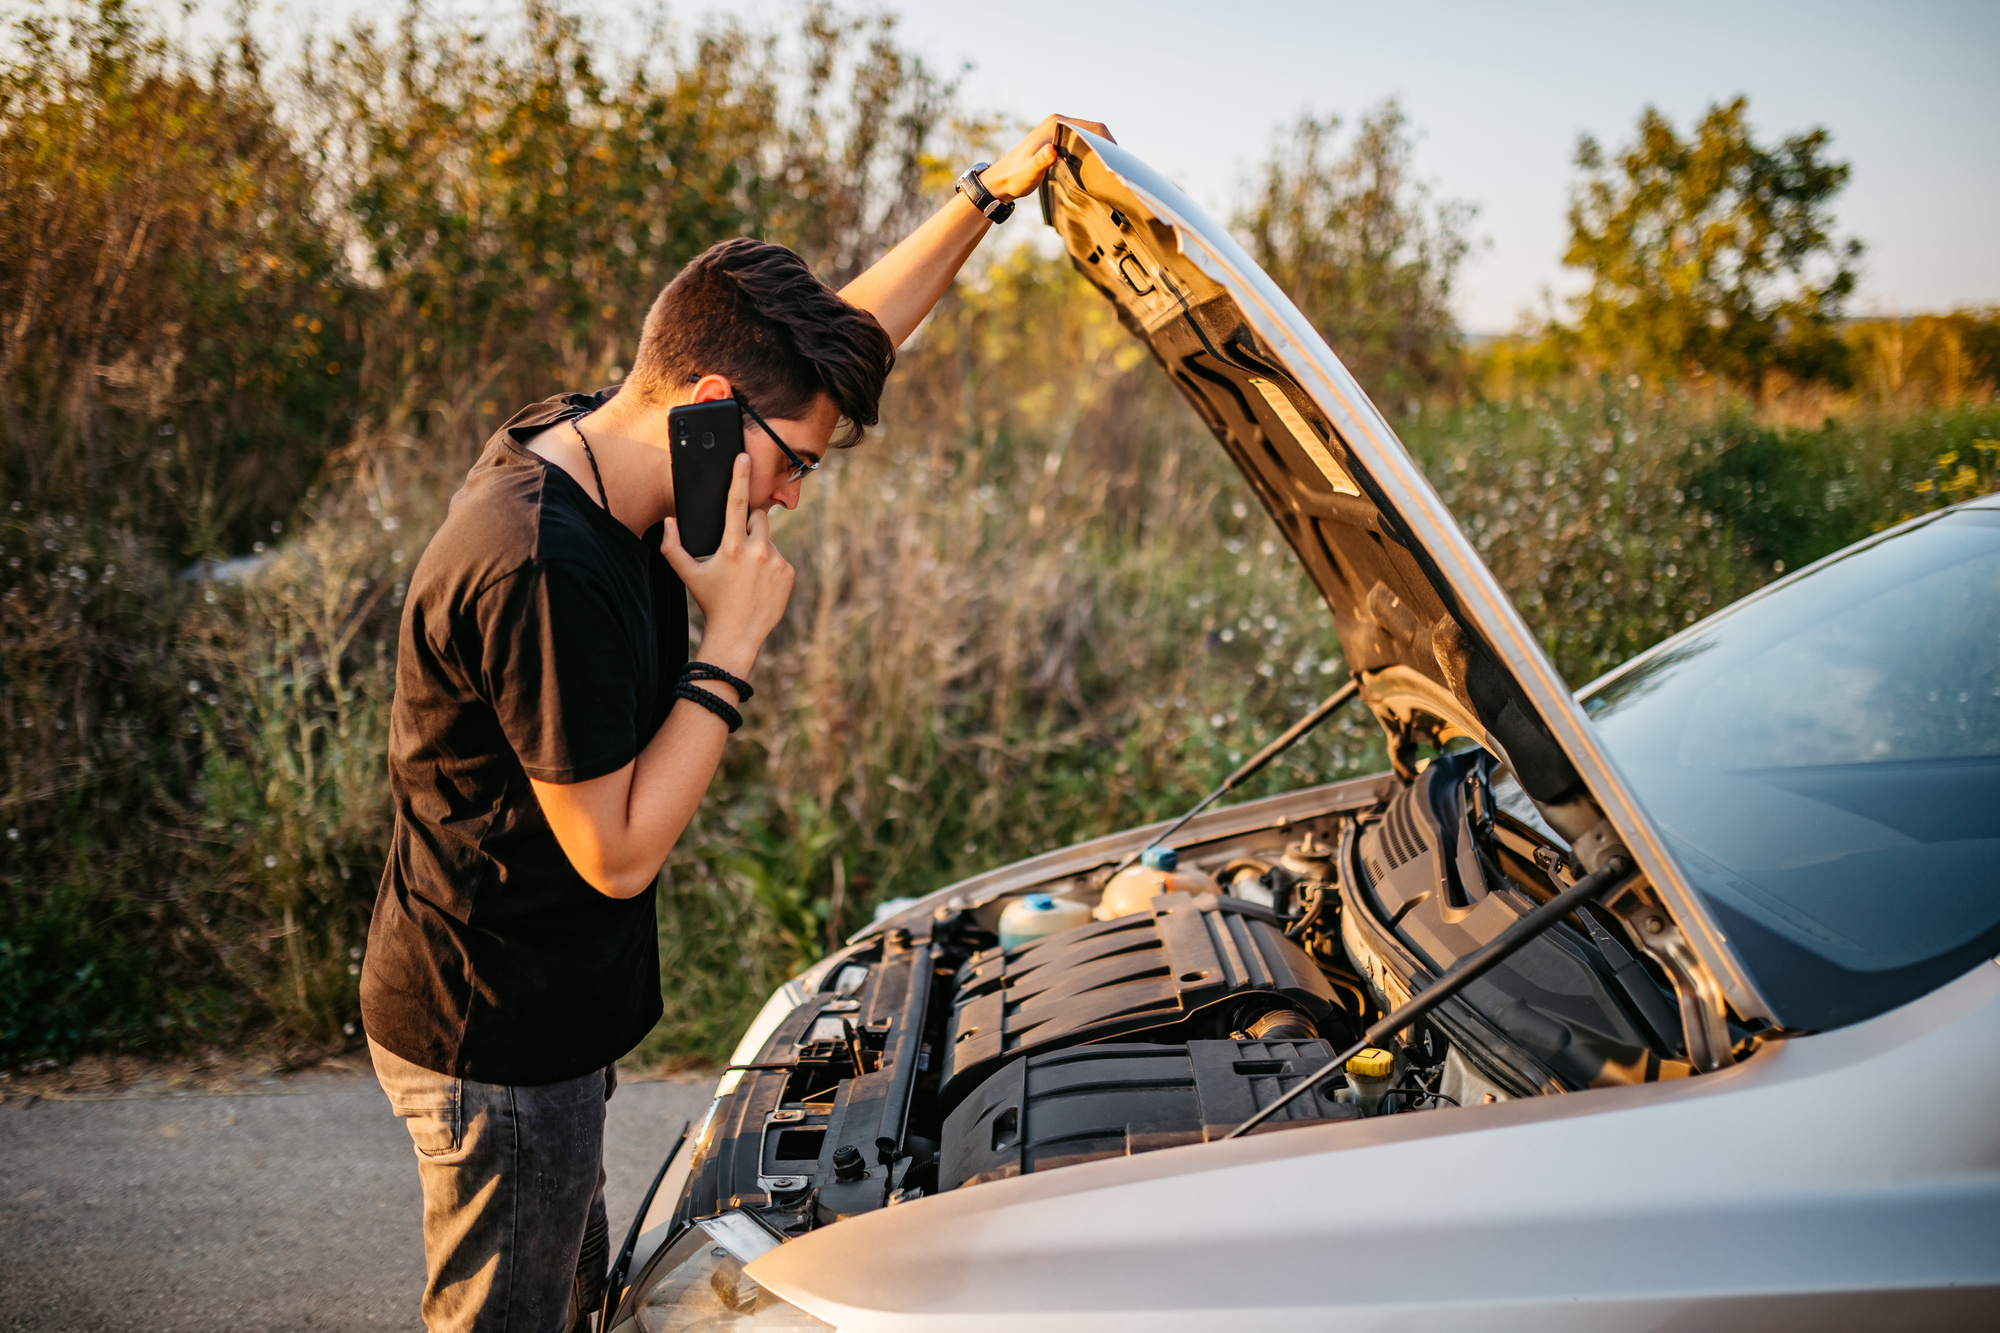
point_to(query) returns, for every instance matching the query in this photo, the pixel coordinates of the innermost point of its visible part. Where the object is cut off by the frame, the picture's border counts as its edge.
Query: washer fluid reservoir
(1038, 914)
(1371, 1075)
(1159, 871)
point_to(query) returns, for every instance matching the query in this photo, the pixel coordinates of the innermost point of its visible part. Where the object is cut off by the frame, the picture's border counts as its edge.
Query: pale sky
(1498, 94)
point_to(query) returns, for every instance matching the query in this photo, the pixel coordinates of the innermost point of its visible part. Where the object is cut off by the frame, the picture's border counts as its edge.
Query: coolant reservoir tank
(1038, 914)
(1159, 871)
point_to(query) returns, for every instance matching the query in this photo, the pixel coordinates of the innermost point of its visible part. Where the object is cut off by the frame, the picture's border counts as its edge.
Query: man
(549, 742)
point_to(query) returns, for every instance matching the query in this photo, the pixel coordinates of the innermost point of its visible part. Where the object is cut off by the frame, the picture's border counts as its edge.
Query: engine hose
(1282, 1025)
(1470, 968)
(1323, 890)
(1362, 1004)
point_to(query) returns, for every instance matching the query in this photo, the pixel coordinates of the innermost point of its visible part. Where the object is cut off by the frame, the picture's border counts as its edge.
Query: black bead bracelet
(704, 671)
(714, 703)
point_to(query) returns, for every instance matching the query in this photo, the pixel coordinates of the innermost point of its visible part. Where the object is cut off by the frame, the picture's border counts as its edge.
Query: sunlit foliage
(175, 313)
(1711, 254)
(1925, 360)
(520, 202)
(1358, 243)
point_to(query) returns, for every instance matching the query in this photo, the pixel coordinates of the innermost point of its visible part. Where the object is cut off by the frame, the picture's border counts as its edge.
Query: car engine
(929, 1056)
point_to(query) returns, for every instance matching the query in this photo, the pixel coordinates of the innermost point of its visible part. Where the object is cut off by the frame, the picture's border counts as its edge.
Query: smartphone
(706, 439)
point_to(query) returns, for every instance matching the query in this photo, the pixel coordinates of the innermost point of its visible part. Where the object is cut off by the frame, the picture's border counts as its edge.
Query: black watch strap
(982, 198)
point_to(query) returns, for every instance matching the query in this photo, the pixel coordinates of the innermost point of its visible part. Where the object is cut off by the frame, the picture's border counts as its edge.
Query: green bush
(1791, 495)
(180, 351)
(1617, 517)
(93, 739)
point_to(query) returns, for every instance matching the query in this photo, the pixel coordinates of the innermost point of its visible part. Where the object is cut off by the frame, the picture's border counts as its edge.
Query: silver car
(1747, 1074)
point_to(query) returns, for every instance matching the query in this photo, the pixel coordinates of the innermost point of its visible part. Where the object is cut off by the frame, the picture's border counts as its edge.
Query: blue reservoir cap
(1160, 858)
(1040, 902)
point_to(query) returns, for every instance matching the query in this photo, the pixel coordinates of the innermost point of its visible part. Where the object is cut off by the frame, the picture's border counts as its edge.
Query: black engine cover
(1196, 966)
(1089, 1102)
(1427, 886)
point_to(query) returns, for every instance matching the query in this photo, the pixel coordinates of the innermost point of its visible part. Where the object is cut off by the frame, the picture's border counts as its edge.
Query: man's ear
(711, 389)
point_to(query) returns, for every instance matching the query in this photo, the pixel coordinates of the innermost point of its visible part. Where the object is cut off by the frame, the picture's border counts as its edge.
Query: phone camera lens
(708, 439)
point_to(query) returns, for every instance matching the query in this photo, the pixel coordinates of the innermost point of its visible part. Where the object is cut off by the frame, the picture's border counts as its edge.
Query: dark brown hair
(754, 313)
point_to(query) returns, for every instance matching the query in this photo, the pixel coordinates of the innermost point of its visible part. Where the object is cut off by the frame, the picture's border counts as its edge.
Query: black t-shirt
(540, 639)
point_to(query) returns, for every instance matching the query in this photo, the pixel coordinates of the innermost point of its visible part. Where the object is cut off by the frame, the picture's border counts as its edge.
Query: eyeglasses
(800, 467)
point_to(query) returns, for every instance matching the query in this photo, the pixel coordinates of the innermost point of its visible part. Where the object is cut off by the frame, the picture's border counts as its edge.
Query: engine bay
(946, 1049)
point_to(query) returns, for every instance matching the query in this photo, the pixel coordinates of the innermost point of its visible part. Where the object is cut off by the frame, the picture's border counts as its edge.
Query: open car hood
(1438, 648)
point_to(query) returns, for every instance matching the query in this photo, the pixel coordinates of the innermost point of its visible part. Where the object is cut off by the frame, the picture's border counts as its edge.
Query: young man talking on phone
(549, 740)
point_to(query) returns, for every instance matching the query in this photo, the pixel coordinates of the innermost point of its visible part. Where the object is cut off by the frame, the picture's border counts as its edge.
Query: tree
(1363, 250)
(173, 331)
(519, 199)
(1711, 254)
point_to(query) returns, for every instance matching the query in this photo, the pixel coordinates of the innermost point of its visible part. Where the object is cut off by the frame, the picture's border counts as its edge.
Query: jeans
(515, 1239)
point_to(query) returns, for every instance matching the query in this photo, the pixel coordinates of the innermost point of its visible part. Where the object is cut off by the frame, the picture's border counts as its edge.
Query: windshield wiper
(1613, 873)
(1253, 765)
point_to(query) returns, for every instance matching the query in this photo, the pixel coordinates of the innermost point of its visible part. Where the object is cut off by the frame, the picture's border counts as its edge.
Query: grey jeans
(515, 1239)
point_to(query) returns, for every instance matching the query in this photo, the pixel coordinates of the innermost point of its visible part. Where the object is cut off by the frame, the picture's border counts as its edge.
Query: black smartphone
(706, 439)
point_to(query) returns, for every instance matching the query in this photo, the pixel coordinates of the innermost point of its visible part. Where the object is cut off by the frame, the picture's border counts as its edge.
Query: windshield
(1824, 762)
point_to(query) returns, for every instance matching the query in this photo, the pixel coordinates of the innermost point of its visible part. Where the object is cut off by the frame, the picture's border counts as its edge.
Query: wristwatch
(973, 188)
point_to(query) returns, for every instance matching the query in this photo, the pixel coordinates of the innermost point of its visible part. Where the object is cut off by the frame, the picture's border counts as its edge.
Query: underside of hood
(1437, 647)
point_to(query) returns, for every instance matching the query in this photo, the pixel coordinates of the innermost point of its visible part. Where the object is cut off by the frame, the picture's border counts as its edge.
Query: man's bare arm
(900, 288)
(618, 829)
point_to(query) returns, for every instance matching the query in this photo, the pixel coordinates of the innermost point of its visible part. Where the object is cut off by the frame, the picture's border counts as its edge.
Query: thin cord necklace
(602, 497)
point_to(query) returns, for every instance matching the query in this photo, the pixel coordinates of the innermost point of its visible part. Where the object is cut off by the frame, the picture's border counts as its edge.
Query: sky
(1498, 93)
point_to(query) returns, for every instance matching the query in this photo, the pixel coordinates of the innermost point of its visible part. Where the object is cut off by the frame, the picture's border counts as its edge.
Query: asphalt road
(295, 1208)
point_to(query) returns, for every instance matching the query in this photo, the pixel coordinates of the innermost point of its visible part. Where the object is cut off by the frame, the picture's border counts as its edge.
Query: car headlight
(697, 1284)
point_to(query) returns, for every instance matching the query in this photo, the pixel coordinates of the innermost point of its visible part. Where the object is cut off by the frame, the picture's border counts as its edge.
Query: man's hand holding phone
(744, 587)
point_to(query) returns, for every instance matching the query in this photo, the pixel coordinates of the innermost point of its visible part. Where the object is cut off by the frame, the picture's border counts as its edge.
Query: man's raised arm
(900, 288)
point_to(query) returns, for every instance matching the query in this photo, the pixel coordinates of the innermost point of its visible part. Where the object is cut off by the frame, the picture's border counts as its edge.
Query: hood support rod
(1613, 874)
(1253, 765)
(614, 1282)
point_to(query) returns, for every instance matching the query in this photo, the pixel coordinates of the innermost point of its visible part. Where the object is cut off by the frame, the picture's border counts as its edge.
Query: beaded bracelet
(704, 671)
(714, 703)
